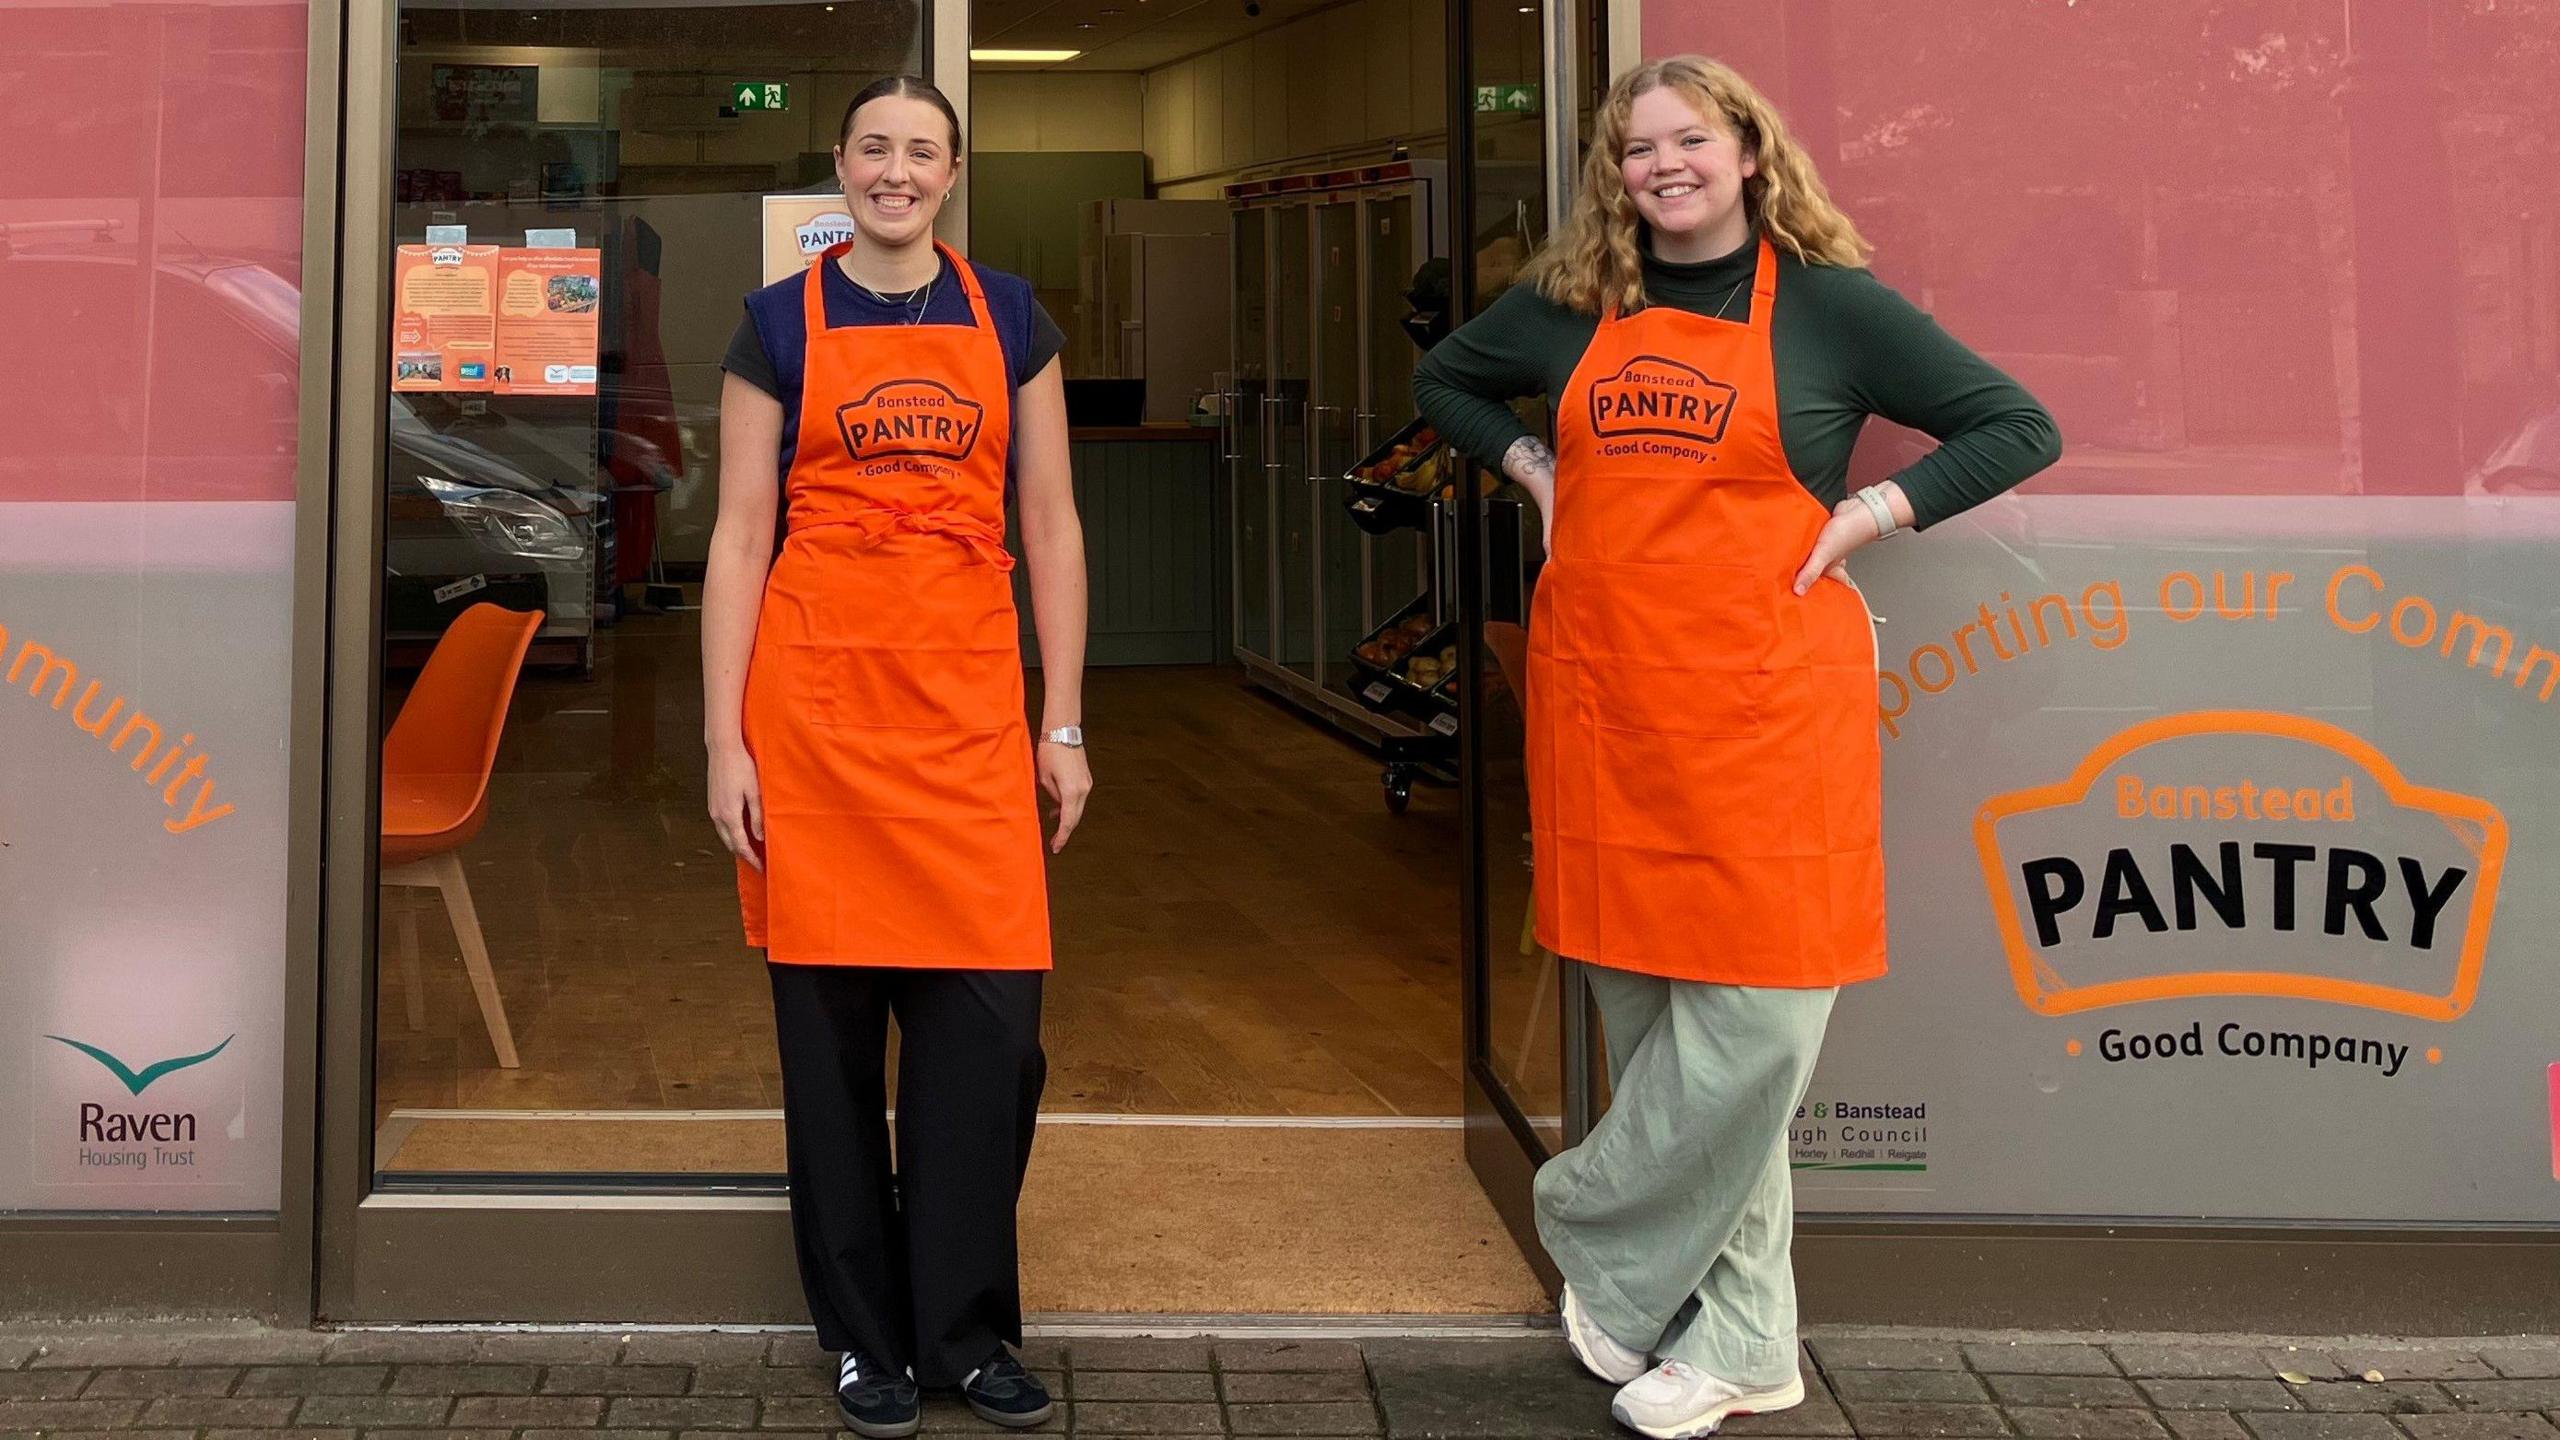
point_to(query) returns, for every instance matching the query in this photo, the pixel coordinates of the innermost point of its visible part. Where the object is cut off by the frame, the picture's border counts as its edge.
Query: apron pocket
(875, 686)
(1687, 701)
(1673, 649)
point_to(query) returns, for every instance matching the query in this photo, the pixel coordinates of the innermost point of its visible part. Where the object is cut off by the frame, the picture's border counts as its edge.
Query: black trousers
(914, 1263)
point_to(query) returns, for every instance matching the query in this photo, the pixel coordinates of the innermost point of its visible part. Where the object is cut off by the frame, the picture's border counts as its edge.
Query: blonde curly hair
(1594, 263)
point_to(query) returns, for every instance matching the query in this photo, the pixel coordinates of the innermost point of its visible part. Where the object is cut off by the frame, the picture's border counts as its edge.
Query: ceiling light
(1023, 57)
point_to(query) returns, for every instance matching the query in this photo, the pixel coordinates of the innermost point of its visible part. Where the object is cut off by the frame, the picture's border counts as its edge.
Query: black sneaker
(876, 1402)
(1003, 1393)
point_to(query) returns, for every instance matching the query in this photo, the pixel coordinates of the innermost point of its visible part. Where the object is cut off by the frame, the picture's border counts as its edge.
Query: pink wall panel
(150, 234)
(2239, 246)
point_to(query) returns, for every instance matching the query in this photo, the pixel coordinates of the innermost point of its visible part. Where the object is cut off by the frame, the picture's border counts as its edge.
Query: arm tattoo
(1529, 457)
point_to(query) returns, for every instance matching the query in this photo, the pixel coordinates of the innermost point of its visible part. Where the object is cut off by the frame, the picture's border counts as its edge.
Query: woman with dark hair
(1705, 774)
(870, 765)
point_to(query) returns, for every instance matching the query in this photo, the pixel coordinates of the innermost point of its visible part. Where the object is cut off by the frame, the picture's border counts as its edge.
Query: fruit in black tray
(1401, 458)
(1390, 645)
(1426, 671)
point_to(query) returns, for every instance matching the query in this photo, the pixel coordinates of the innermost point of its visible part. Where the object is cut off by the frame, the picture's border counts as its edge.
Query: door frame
(566, 1252)
(1503, 1146)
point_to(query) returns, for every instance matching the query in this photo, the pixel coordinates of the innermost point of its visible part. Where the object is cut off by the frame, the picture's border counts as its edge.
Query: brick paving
(489, 1385)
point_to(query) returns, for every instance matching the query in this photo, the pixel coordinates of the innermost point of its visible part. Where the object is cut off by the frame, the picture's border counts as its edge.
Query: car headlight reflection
(509, 522)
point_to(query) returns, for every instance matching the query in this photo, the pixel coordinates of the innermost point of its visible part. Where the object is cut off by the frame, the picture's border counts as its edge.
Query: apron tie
(876, 525)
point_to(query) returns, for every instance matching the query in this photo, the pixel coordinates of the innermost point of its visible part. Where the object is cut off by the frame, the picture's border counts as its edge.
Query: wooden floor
(1242, 927)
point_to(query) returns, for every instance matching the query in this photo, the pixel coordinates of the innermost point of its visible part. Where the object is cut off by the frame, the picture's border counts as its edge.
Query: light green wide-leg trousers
(1672, 1220)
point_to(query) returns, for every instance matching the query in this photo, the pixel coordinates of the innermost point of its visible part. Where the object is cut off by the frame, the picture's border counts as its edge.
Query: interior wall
(1055, 110)
(1344, 84)
(1050, 143)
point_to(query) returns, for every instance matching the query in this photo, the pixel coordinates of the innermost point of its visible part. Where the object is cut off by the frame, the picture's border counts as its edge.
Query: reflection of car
(2526, 461)
(219, 418)
(464, 525)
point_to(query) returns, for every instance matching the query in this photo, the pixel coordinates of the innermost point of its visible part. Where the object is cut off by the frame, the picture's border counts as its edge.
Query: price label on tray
(1445, 724)
(1377, 692)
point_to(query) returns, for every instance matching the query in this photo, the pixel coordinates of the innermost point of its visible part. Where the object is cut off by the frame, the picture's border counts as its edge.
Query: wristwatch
(1880, 508)
(1071, 736)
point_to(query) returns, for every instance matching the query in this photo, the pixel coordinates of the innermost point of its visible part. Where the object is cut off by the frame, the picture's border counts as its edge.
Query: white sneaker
(1677, 1401)
(1599, 1352)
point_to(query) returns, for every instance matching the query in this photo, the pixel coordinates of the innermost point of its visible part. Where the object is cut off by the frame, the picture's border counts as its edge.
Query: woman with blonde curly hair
(1705, 771)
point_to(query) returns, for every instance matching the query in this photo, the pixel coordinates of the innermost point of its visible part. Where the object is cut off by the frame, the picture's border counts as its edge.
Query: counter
(1153, 501)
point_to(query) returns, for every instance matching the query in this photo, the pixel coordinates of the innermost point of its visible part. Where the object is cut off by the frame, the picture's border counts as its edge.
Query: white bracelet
(1880, 508)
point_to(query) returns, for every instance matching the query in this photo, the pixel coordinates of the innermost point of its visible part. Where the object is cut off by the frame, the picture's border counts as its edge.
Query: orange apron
(1705, 774)
(884, 702)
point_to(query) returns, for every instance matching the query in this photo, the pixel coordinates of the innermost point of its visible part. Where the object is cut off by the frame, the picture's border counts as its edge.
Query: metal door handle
(1319, 468)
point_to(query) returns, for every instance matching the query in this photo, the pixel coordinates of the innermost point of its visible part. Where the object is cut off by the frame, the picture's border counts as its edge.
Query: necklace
(1728, 298)
(920, 297)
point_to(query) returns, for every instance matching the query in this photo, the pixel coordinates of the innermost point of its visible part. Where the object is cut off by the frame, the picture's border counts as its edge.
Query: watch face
(1068, 735)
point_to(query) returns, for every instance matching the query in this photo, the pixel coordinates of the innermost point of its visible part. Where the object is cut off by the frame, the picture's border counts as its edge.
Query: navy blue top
(771, 345)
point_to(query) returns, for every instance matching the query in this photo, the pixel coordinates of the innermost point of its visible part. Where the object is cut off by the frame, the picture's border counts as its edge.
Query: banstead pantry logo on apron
(911, 419)
(2246, 856)
(1651, 395)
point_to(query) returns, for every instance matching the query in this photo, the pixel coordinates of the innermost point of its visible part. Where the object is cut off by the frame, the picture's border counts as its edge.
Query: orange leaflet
(444, 317)
(548, 304)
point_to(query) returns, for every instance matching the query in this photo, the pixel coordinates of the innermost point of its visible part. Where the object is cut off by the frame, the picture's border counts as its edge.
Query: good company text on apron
(884, 702)
(1705, 771)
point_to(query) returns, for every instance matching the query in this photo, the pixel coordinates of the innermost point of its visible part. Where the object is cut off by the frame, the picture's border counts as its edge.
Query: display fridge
(1322, 376)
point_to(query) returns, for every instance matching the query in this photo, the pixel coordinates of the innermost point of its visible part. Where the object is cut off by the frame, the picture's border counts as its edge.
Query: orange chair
(435, 787)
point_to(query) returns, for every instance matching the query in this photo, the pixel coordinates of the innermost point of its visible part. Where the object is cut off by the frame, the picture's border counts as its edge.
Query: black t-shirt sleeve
(1047, 340)
(746, 359)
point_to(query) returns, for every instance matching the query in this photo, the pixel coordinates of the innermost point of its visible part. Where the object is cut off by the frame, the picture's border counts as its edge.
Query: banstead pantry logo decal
(2245, 855)
(823, 233)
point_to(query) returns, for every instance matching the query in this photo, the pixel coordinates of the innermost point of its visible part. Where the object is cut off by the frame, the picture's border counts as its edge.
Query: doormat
(1165, 1218)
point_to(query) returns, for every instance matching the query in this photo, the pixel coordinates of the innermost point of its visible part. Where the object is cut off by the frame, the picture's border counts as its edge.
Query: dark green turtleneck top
(1845, 347)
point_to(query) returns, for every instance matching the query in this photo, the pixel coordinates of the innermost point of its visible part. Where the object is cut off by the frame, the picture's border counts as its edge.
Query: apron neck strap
(814, 292)
(1764, 287)
(1764, 290)
(976, 292)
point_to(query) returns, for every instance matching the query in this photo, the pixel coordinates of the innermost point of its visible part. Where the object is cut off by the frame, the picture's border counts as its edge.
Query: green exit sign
(759, 95)
(1506, 99)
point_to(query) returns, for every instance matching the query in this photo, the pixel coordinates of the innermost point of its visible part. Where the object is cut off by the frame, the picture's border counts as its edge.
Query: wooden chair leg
(412, 974)
(1546, 973)
(475, 953)
(1538, 994)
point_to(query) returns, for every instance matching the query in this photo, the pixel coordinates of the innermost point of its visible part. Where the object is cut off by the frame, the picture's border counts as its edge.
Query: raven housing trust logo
(112, 1138)
(137, 1081)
